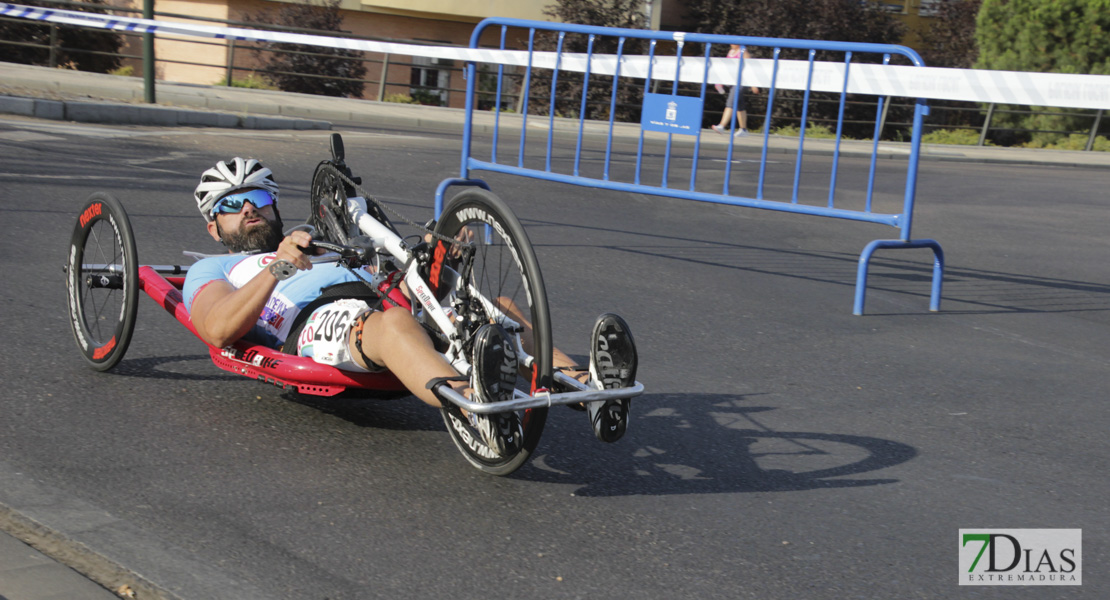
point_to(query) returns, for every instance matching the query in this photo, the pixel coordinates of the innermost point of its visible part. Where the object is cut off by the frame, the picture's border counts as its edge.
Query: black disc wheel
(327, 201)
(505, 272)
(102, 281)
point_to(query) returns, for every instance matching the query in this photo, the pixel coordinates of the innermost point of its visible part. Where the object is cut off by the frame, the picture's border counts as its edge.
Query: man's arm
(222, 314)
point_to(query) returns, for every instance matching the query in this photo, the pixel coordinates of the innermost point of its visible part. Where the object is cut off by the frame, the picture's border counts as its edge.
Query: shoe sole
(500, 432)
(610, 418)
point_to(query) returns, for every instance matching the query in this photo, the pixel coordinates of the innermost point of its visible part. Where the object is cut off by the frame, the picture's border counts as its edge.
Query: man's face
(250, 230)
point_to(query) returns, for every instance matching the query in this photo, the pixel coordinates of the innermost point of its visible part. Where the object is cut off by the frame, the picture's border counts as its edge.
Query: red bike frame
(265, 364)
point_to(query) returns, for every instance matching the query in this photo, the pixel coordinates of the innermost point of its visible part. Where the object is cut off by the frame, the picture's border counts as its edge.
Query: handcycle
(474, 265)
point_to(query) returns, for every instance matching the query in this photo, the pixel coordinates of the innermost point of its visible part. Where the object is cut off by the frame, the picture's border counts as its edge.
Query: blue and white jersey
(288, 298)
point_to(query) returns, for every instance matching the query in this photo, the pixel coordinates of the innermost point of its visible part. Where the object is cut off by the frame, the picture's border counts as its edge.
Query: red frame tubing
(260, 362)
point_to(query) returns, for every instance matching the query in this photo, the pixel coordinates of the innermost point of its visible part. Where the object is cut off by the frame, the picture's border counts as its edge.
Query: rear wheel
(327, 202)
(102, 281)
(505, 272)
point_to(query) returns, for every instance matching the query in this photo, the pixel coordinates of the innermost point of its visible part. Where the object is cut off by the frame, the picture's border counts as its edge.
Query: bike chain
(363, 193)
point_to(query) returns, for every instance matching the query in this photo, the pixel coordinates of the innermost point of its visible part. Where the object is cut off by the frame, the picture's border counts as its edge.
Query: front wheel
(506, 273)
(102, 281)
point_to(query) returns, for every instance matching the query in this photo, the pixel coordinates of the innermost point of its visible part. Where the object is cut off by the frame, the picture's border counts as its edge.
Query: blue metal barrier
(565, 144)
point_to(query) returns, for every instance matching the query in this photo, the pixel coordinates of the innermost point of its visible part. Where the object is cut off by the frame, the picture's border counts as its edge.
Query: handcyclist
(258, 289)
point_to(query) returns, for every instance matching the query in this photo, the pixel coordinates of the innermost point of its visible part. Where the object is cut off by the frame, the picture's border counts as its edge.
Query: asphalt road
(784, 448)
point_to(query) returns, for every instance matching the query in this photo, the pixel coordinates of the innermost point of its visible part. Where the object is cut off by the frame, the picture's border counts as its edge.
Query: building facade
(439, 22)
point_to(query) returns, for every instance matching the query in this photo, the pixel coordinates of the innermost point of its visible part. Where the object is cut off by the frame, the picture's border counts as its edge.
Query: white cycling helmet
(235, 174)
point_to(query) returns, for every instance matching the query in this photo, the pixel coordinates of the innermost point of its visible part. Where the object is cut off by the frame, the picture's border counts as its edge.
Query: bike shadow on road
(396, 411)
(676, 443)
(967, 289)
(710, 444)
(160, 367)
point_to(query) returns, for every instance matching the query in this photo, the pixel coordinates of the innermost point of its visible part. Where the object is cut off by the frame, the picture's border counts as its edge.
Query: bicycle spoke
(90, 298)
(98, 303)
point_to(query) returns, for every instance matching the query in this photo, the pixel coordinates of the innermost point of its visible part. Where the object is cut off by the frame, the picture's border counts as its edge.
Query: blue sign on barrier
(672, 114)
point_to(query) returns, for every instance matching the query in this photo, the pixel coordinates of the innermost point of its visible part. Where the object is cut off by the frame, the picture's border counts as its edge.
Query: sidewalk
(27, 574)
(93, 97)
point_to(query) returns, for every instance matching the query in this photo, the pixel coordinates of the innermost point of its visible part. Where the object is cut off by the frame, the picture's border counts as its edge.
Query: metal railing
(243, 59)
(662, 166)
(239, 63)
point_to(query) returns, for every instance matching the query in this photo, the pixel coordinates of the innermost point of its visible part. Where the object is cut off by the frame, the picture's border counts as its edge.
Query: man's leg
(558, 357)
(395, 340)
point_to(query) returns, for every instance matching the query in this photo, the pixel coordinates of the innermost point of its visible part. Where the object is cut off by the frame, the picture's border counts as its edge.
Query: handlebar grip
(322, 245)
(352, 255)
(337, 151)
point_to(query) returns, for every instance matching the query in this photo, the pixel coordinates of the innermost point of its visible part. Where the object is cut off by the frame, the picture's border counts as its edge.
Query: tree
(1047, 36)
(833, 20)
(950, 40)
(310, 69)
(81, 48)
(625, 14)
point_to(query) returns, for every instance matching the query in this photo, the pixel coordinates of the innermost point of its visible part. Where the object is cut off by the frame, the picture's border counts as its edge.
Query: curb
(107, 550)
(159, 116)
(57, 546)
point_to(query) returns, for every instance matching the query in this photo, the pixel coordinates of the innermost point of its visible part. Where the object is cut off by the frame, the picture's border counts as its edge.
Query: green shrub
(1075, 141)
(400, 99)
(959, 137)
(124, 71)
(252, 81)
(427, 97)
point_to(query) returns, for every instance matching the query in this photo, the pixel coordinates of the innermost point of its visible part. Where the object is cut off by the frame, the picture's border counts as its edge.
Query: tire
(102, 281)
(506, 267)
(326, 203)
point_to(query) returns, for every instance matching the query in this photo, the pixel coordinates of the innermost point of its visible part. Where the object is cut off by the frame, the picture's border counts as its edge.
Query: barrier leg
(865, 261)
(450, 181)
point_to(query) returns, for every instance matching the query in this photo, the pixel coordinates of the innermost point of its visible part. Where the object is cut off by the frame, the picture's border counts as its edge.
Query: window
(929, 8)
(430, 81)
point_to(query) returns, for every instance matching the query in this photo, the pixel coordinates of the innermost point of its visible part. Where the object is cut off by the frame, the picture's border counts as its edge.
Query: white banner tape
(972, 85)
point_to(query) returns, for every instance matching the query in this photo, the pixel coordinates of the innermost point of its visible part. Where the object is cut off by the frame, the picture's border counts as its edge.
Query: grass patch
(819, 132)
(252, 81)
(954, 137)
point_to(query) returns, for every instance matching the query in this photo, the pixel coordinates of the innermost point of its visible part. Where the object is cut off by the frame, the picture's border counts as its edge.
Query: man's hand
(292, 249)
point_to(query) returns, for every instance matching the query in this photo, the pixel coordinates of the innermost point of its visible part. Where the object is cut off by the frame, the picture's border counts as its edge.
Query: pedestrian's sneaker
(493, 379)
(719, 129)
(612, 365)
(741, 133)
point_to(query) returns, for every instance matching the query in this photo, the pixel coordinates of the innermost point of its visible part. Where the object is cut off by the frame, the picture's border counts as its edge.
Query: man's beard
(263, 237)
